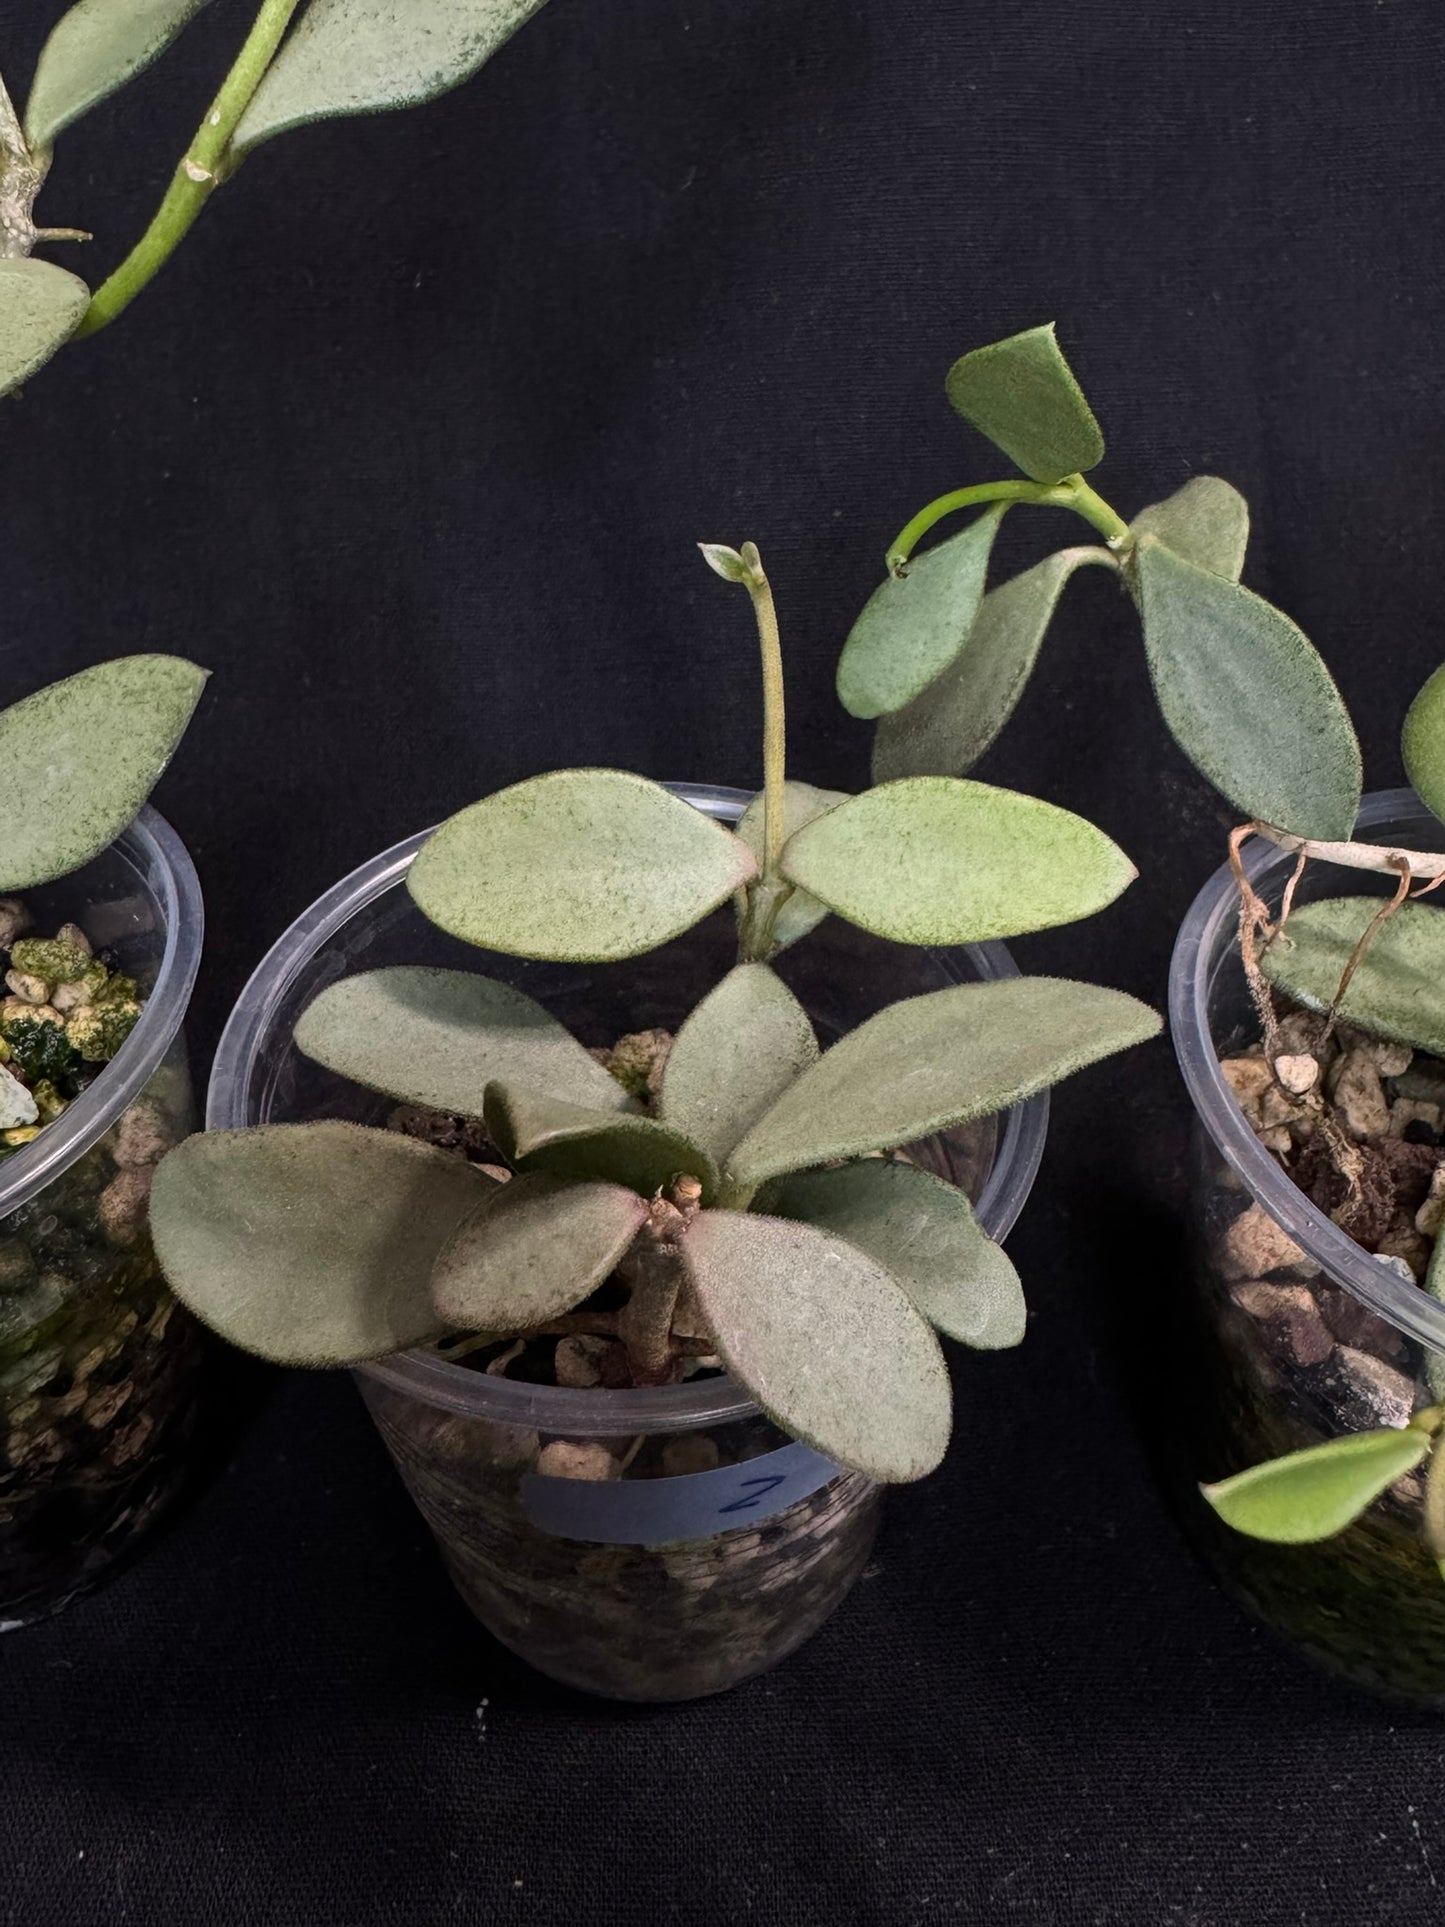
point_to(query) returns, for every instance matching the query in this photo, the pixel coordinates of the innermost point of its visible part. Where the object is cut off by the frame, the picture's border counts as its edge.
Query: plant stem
(774, 729)
(1423, 865)
(1072, 493)
(200, 172)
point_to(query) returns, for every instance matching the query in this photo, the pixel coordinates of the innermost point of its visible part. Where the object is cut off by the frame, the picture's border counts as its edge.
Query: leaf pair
(1242, 690)
(589, 865)
(79, 758)
(342, 57)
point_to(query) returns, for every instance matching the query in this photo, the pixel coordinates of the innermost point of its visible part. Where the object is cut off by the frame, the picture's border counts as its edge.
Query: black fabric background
(411, 445)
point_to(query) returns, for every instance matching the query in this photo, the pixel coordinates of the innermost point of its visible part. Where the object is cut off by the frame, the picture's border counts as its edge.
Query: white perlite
(17, 1106)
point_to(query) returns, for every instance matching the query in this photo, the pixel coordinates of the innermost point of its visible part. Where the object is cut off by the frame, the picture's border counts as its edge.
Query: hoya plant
(301, 61)
(745, 1209)
(940, 660)
(77, 761)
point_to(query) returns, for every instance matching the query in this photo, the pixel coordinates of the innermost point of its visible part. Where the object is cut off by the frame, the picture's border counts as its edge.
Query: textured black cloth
(411, 444)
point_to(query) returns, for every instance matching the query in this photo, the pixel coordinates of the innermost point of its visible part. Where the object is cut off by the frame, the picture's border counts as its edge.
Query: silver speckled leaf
(735, 1056)
(78, 759)
(579, 866)
(924, 1234)
(617, 1147)
(930, 1062)
(944, 859)
(366, 56)
(40, 309)
(310, 1244)
(531, 1251)
(439, 1037)
(825, 1341)
(94, 49)
(1206, 521)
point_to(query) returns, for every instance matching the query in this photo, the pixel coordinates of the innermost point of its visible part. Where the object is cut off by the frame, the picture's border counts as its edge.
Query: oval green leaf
(79, 758)
(1022, 394)
(439, 1037)
(914, 625)
(1398, 990)
(734, 1057)
(367, 56)
(579, 866)
(40, 309)
(542, 1133)
(310, 1244)
(1422, 743)
(801, 803)
(945, 730)
(1315, 1493)
(532, 1250)
(939, 859)
(1247, 698)
(924, 1234)
(825, 1341)
(93, 50)
(930, 1062)
(1206, 521)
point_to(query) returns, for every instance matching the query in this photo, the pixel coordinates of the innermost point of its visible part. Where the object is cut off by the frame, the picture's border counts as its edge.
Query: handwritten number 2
(756, 1490)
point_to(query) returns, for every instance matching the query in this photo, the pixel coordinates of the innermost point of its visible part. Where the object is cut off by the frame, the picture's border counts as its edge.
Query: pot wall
(569, 1573)
(98, 1363)
(1305, 1335)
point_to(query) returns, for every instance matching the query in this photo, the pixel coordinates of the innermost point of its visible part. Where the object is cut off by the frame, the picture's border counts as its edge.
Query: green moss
(41, 1051)
(53, 958)
(97, 1031)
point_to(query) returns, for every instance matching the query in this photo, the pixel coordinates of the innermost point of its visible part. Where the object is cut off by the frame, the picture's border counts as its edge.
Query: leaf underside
(367, 56)
(1313, 1494)
(41, 306)
(532, 1250)
(310, 1244)
(93, 50)
(737, 1053)
(930, 1062)
(80, 757)
(1398, 990)
(946, 728)
(542, 1133)
(1206, 521)
(578, 866)
(439, 1037)
(1422, 743)
(1247, 698)
(824, 1340)
(801, 803)
(914, 625)
(1021, 394)
(937, 859)
(924, 1234)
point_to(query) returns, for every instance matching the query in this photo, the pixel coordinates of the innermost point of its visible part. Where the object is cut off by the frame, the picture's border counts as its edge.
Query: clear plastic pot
(716, 1545)
(1343, 1343)
(98, 1363)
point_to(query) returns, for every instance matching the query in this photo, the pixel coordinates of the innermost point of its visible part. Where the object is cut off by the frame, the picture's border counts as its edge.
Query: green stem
(200, 172)
(1072, 493)
(774, 732)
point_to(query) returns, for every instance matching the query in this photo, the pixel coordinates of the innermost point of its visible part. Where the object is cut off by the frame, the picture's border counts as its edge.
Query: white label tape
(659, 1512)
